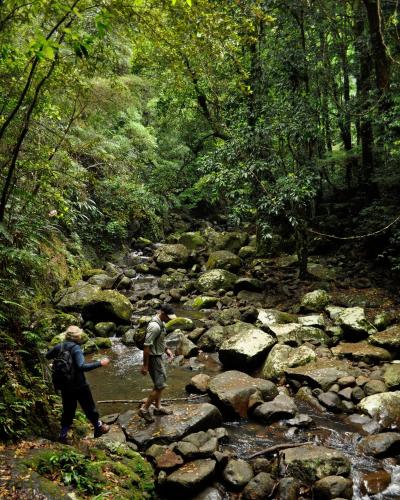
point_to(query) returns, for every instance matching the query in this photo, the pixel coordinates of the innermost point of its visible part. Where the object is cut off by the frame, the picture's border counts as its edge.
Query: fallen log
(171, 400)
(277, 447)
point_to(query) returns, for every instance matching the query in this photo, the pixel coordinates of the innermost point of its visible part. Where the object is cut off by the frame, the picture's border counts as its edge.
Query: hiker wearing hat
(69, 377)
(154, 348)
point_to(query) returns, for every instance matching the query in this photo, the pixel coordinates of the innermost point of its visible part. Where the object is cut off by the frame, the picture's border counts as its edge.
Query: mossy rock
(49, 322)
(216, 279)
(223, 259)
(105, 328)
(229, 240)
(204, 302)
(185, 324)
(315, 301)
(142, 268)
(192, 240)
(90, 346)
(171, 255)
(88, 273)
(247, 252)
(103, 342)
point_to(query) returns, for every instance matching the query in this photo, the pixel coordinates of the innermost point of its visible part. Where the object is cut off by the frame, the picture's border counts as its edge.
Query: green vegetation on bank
(115, 115)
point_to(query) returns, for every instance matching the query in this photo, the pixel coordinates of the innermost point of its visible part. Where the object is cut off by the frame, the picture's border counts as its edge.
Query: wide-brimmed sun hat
(74, 333)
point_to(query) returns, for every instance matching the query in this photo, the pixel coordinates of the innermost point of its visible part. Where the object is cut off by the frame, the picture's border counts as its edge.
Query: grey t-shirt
(155, 336)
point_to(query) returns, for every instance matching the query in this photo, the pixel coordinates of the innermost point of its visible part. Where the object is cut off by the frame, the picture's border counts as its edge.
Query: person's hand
(104, 361)
(144, 370)
(170, 354)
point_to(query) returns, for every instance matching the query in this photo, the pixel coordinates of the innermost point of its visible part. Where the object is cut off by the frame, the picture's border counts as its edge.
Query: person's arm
(146, 355)
(169, 353)
(79, 360)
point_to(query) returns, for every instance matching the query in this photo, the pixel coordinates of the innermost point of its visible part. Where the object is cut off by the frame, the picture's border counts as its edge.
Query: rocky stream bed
(279, 388)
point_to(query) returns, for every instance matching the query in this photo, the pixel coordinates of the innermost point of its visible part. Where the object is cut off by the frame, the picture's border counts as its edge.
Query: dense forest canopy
(116, 114)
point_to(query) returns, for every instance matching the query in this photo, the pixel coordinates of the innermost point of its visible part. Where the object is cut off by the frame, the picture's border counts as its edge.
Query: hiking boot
(162, 411)
(101, 429)
(146, 415)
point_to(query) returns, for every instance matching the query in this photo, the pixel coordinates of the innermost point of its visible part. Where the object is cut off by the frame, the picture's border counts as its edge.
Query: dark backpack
(63, 369)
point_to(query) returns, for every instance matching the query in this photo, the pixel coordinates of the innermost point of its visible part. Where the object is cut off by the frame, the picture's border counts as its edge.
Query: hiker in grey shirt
(154, 348)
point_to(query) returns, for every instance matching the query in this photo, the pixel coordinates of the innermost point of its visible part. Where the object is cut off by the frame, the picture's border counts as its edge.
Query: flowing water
(122, 380)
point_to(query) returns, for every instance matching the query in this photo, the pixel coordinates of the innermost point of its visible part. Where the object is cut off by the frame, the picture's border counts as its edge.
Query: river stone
(209, 493)
(222, 259)
(95, 304)
(315, 301)
(361, 351)
(374, 387)
(229, 240)
(179, 324)
(226, 316)
(192, 240)
(129, 337)
(322, 373)
(204, 302)
(384, 408)
(283, 356)
(288, 489)
(272, 317)
(295, 334)
(105, 329)
(280, 408)
(186, 347)
(198, 445)
(382, 320)
(375, 482)
(211, 339)
(237, 474)
(103, 342)
(190, 477)
(171, 256)
(175, 279)
(385, 443)
(259, 488)
(353, 320)
(333, 487)
(331, 401)
(246, 346)
(231, 391)
(249, 284)
(199, 383)
(392, 375)
(104, 281)
(186, 418)
(168, 460)
(389, 338)
(316, 320)
(310, 462)
(247, 252)
(215, 280)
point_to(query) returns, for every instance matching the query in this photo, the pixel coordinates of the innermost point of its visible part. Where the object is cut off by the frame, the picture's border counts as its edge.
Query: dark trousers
(70, 399)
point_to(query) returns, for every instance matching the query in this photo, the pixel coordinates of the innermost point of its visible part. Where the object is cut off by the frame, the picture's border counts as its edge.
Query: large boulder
(237, 474)
(295, 334)
(384, 408)
(310, 462)
(333, 487)
(222, 259)
(361, 351)
(189, 478)
(380, 444)
(246, 346)
(232, 240)
(322, 373)
(272, 317)
(171, 255)
(216, 279)
(211, 339)
(191, 240)
(231, 391)
(281, 407)
(104, 281)
(186, 419)
(95, 304)
(392, 375)
(315, 301)
(282, 357)
(352, 320)
(389, 338)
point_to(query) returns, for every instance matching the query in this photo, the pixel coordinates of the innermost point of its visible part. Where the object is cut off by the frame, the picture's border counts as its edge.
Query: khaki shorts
(157, 372)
